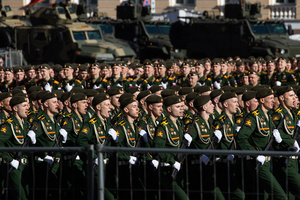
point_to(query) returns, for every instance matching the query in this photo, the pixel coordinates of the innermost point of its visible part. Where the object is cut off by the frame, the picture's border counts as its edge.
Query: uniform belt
(120, 163)
(165, 165)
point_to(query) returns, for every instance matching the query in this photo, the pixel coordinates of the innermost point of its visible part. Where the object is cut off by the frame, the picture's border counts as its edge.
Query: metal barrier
(12, 58)
(101, 171)
(242, 156)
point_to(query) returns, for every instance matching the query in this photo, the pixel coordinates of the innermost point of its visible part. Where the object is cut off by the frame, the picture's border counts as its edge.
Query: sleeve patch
(248, 122)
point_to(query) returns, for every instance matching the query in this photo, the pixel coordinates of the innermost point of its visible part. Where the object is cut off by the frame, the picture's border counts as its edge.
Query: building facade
(270, 9)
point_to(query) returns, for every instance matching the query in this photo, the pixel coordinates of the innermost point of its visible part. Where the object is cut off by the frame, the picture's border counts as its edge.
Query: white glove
(188, 138)
(143, 134)
(119, 85)
(298, 123)
(176, 165)
(199, 84)
(157, 122)
(32, 134)
(96, 87)
(278, 83)
(238, 129)
(96, 161)
(230, 158)
(113, 134)
(64, 133)
(148, 86)
(155, 163)
(296, 145)
(164, 85)
(217, 85)
(218, 134)
(68, 87)
(277, 136)
(261, 159)
(48, 87)
(204, 159)
(15, 164)
(49, 160)
(132, 160)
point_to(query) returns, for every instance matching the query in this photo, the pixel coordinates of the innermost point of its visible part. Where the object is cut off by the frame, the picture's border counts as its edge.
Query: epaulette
(146, 81)
(9, 120)
(144, 119)
(222, 118)
(241, 114)
(255, 112)
(122, 123)
(209, 79)
(157, 80)
(69, 115)
(225, 76)
(40, 117)
(298, 113)
(124, 79)
(56, 82)
(119, 114)
(278, 110)
(264, 73)
(93, 120)
(28, 112)
(104, 80)
(186, 116)
(78, 81)
(35, 112)
(164, 123)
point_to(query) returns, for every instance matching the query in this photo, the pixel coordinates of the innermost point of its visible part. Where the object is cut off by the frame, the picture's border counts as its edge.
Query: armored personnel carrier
(239, 33)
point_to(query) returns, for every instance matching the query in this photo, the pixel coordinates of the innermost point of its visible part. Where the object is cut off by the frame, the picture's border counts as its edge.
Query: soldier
(253, 78)
(193, 80)
(83, 74)
(13, 133)
(69, 81)
(282, 170)
(215, 97)
(202, 134)
(216, 80)
(254, 135)
(95, 80)
(199, 68)
(31, 79)
(19, 76)
(114, 95)
(116, 79)
(283, 78)
(225, 125)
(136, 79)
(149, 79)
(183, 79)
(189, 113)
(143, 112)
(269, 77)
(235, 77)
(8, 84)
(46, 81)
(5, 107)
(47, 133)
(169, 134)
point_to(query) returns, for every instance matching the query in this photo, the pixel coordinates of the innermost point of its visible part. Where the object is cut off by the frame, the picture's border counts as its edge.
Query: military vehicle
(149, 39)
(56, 36)
(239, 33)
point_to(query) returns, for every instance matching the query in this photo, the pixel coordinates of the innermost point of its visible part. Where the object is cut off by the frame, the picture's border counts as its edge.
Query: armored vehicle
(239, 33)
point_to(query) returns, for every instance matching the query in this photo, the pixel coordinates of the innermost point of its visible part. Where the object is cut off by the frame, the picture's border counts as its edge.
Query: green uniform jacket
(285, 78)
(256, 131)
(55, 84)
(3, 117)
(149, 82)
(72, 124)
(287, 129)
(168, 136)
(89, 84)
(128, 137)
(240, 118)
(73, 82)
(12, 135)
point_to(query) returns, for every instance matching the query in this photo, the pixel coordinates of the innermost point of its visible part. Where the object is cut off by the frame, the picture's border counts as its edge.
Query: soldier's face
(209, 107)
(68, 72)
(289, 99)
(245, 80)
(296, 104)
(82, 107)
(105, 107)
(116, 70)
(83, 75)
(52, 105)
(268, 102)
(115, 100)
(177, 109)
(216, 69)
(232, 105)
(2, 74)
(207, 66)
(199, 69)
(157, 109)
(193, 80)
(133, 109)
(45, 73)
(253, 103)
(224, 68)
(22, 109)
(6, 105)
(162, 71)
(149, 70)
(185, 70)
(253, 79)
(8, 76)
(254, 67)
(60, 105)
(139, 72)
(19, 76)
(281, 65)
(241, 68)
(31, 74)
(104, 73)
(271, 68)
(124, 70)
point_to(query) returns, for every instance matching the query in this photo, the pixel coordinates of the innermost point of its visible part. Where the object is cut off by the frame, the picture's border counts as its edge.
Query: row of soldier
(216, 73)
(228, 118)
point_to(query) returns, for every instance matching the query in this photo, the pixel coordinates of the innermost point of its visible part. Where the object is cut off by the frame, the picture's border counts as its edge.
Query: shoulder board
(69, 115)
(146, 81)
(104, 80)
(225, 76)
(40, 117)
(144, 119)
(93, 121)
(278, 110)
(122, 123)
(124, 79)
(255, 112)
(56, 82)
(264, 72)
(78, 81)
(157, 80)
(164, 123)
(9, 120)
(241, 114)
(209, 79)
(222, 118)
(186, 116)
(28, 112)
(36, 111)
(298, 113)
(119, 115)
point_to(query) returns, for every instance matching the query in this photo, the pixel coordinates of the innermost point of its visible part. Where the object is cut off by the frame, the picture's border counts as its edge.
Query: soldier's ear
(126, 110)
(151, 106)
(15, 108)
(191, 104)
(98, 107)
(281, 97)
(169, 109)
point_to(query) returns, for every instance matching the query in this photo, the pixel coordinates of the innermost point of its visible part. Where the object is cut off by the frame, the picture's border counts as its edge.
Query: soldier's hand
(217, 85)
(49, 160)
(238, 129)
(15, 164)
(298, 123)
(48, 87)
(155, 163)
(296, 145)
(68, 87)
(204, 159)
(188, 138)
(164, 85)
(64, 133)
(277, 136)
(218, 134)
(176, 165)
(96, 87)
(143, 134)
(113, 134)
(278, 83)
(261, 159)
(32, 136)
(132, 160)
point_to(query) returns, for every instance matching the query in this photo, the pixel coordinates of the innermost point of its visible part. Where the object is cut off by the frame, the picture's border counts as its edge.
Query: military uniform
(111, 82)
(147, 83)
(13, 134)
(285, 78)
(73, 82)
(221, 78)
(255, 135)
(99, 82)
(53, 83)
